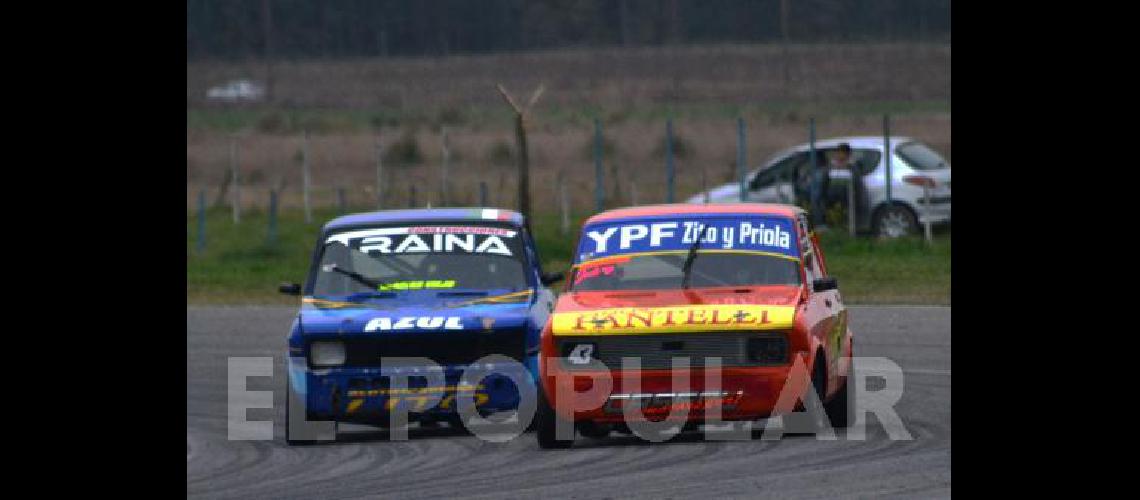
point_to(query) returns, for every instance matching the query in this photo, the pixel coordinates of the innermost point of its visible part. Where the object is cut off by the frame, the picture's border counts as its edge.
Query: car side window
(784, 170)
(866, 160)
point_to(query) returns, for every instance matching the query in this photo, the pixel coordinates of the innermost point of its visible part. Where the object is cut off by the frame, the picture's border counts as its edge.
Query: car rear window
(920, 157)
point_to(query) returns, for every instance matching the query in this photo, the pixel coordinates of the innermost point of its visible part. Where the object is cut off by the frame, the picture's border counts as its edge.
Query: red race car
(690, 314)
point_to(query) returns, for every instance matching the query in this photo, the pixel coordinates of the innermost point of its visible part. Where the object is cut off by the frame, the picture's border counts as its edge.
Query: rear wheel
(893, 221)
(547, 422)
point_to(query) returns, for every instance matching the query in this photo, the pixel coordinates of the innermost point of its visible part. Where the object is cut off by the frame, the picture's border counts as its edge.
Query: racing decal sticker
(581, 354)
(679, 319)
(414, 323)
(416, 398)
(756, 233)
(416, 285)
(427, 239)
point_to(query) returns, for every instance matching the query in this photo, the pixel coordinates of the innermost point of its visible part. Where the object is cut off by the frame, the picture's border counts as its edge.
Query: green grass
(238, 265)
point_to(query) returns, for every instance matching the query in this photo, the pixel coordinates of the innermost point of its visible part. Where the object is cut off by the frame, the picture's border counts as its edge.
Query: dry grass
(632, 91)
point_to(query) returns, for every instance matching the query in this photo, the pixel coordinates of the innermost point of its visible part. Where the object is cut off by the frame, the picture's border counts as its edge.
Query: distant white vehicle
(785, 178)
(236, 90)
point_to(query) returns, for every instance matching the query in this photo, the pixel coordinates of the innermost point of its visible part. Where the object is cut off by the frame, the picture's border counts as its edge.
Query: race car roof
(690, 208)
(425, 214)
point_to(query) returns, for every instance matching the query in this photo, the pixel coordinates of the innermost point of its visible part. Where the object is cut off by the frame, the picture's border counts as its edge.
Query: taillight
(918, 180)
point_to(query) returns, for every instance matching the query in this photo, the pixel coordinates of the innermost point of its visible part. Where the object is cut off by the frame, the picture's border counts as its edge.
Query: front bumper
(369, 394)
(744, 393)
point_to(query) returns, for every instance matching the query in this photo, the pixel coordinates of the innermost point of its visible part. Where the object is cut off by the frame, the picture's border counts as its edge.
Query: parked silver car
(785, 178)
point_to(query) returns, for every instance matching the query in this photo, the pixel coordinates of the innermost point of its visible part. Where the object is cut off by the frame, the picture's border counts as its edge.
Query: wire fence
(453, 182)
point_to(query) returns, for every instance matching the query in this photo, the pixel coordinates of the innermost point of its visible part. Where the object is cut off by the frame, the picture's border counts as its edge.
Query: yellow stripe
(333, 304)
(354, 405)
(507, 297)
(679, 319)
(664, 252)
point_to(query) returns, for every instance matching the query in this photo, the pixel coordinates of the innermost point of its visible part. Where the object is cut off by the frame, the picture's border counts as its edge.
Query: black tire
(841, 408)
(894, 220)
(547, 421)
(809, 421)
(288, 438)
(594, 430)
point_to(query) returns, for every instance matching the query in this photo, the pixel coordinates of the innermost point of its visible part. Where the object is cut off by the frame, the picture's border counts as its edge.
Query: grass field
(238, 265)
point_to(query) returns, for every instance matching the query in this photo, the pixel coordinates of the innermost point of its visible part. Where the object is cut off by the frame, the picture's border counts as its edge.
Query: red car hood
(634, 312)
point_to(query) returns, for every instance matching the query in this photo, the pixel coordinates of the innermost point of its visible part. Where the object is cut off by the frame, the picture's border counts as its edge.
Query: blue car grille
(450, 348)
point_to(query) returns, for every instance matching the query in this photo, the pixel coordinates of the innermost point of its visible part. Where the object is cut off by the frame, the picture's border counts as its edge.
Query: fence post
(740, 158)
(305, 179)
(272, 216)
(379, 171)
(445, 164)
(563, 204)
(925, 215)
(887, 152)
(705, 183)
(669, 172)
(812, 158)
(236, 180)
(341, 202)
(201, 245)
(851, 204)
(614, 174)
(482, 193)
(524, 160)
(599, 189)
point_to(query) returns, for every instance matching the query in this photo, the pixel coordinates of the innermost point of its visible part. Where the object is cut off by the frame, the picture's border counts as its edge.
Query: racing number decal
(418, 398)
(581, 354)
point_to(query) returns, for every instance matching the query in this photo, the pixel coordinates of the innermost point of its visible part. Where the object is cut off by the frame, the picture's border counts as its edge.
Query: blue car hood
(412, 312)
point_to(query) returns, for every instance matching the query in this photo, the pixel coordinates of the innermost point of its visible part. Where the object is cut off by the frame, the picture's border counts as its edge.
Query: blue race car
(399, 304)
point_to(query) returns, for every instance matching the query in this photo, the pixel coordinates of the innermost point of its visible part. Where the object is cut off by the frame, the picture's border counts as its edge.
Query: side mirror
(289, 289)
(825, 284)
(551, 278)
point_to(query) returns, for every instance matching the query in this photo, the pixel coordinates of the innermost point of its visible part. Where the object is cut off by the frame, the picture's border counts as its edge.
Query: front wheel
(290, 438)
(813, 418)
(547, 422)
(893, 221)
(841, 409)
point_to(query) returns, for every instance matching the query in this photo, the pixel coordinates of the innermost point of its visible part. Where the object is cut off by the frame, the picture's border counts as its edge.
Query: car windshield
(431, 257)
(920, 157)
(706, 250)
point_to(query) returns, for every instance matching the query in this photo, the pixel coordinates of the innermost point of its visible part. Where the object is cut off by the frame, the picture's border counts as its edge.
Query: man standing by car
(819, 186)
(841, 160)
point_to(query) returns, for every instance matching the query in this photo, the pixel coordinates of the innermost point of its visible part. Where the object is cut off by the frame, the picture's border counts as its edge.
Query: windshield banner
(428, 239)
(763, 234)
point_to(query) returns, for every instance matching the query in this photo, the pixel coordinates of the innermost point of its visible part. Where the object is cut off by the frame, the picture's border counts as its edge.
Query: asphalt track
(444, 462)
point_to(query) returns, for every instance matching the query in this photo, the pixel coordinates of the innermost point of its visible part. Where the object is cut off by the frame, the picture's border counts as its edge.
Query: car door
(776, 184)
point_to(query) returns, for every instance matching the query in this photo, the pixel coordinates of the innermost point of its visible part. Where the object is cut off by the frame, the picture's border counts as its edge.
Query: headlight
(326, 353)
